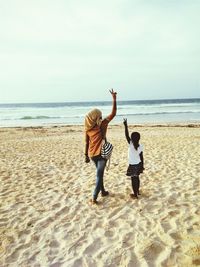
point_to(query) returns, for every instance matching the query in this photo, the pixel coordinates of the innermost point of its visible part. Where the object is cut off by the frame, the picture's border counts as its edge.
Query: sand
(46, 218)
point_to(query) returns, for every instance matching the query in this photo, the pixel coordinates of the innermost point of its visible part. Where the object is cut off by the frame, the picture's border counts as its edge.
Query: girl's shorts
(134, 170)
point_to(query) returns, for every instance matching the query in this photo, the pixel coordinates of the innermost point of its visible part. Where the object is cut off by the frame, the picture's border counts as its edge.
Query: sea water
(68, 113)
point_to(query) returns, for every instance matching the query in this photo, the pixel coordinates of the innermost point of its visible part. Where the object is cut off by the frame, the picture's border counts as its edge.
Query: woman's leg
(100, 166)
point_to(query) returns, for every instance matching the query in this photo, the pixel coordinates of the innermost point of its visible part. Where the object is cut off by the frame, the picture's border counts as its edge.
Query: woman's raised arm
(114, 105)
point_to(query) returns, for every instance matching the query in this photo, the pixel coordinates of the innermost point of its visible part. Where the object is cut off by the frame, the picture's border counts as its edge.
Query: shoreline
(148, 125)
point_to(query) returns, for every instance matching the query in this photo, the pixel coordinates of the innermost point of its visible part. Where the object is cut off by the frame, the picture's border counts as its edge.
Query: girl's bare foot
(133, 196)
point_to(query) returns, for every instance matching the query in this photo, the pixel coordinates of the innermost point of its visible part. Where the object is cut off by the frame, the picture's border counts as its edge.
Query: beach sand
(45, 215)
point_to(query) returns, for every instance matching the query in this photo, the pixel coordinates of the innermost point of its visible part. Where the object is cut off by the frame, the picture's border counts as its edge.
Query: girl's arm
(142, 160)
(126, 131)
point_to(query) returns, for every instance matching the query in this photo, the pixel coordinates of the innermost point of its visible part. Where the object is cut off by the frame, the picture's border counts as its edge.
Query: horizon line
(97, 101)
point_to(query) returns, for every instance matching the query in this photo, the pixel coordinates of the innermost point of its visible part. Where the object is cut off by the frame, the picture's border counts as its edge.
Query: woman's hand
(113, 93)
(87, 159)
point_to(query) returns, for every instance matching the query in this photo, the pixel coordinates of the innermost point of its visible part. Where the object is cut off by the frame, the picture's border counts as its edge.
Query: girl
(95, 130)
(135, 157)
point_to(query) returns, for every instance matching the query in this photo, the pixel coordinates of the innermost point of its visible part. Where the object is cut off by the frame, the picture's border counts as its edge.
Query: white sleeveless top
(133, 154)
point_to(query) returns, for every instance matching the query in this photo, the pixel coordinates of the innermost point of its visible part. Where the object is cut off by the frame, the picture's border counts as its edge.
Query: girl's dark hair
(135, 137)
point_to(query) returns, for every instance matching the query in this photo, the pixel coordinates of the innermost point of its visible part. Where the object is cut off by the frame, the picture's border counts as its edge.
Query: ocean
(68, 113)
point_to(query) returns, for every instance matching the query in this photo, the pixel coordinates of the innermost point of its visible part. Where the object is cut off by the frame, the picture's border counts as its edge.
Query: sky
(76, 50)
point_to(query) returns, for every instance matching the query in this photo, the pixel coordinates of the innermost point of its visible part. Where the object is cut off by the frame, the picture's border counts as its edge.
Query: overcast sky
(72, 50)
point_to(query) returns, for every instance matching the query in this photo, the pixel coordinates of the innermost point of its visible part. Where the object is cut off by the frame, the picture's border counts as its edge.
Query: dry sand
(45, 215)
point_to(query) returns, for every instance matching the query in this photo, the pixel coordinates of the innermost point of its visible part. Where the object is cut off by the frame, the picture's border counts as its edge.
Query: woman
(95, 131)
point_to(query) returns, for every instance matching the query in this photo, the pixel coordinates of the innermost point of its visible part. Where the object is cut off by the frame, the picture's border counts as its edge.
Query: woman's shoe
(104, 194)
(94, 202)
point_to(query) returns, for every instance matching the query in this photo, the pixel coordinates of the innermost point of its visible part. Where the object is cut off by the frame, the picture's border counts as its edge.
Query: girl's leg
(138, 185)
(100, 166)
(135, 185)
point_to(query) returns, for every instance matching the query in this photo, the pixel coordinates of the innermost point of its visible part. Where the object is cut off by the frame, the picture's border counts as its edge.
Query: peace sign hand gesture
(125, 121)
(113, 93)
